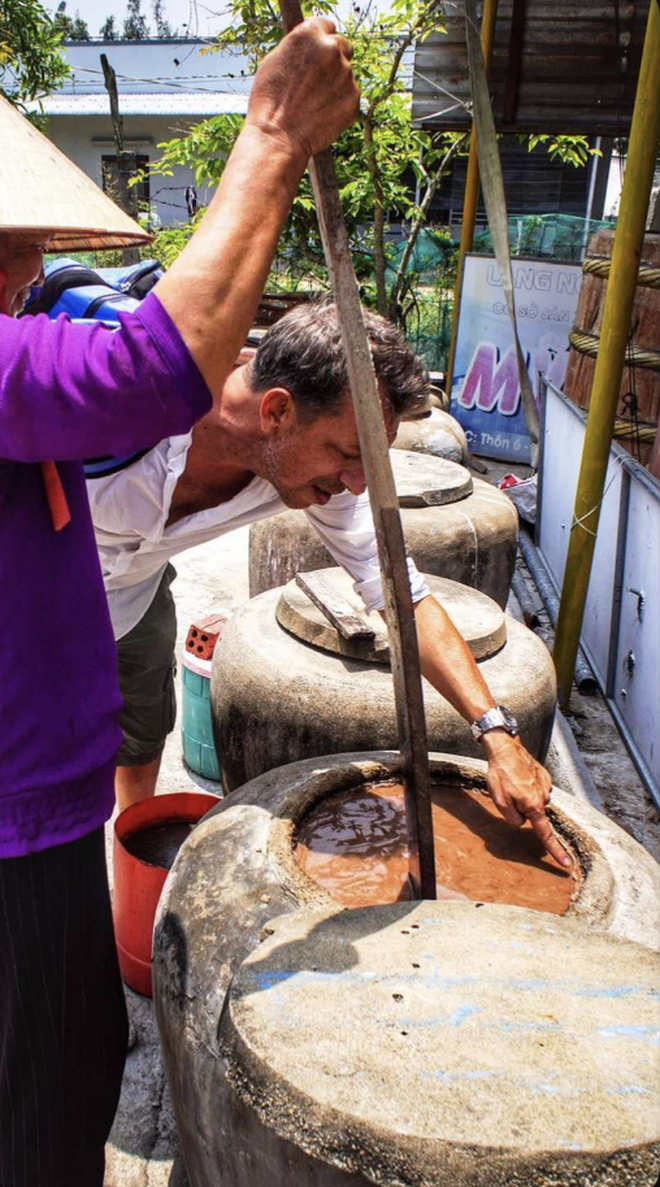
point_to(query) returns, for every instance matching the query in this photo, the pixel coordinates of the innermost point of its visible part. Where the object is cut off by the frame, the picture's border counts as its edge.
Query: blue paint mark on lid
(648, 1034)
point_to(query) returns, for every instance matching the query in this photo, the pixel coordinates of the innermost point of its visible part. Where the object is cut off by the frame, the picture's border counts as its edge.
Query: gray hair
(303, 352)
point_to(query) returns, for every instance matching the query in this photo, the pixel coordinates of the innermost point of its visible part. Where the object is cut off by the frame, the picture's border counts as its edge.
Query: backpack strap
(70, 276)
(103, 467)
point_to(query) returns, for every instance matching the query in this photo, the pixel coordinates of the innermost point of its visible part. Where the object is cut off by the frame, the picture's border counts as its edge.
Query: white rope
(419, 119)
(579, 520)
(443, 90)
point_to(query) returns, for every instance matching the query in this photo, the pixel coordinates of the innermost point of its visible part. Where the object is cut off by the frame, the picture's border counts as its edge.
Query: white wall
(144, 67)
(621, 629)
(74, 136)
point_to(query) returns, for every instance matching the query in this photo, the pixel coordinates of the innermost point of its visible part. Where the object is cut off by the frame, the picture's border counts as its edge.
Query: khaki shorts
(147, 667)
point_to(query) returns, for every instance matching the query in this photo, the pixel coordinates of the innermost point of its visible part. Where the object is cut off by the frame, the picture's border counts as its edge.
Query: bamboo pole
(626, 253)
(471, 197)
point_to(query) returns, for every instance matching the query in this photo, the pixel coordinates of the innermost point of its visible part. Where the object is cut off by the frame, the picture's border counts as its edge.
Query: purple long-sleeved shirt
(69, 391)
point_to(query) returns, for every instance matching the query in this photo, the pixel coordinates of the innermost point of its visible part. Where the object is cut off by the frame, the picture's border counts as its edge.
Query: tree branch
(421, 219)
(419, 25)
(380, 262)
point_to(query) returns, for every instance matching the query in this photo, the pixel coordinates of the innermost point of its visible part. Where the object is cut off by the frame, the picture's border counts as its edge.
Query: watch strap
(498, 718)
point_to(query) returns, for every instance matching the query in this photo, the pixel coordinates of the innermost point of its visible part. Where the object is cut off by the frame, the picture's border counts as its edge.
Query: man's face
(22, 264)
(309, 461)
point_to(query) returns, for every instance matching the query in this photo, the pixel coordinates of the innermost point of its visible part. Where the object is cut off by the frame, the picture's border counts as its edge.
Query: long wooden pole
(471, 196)
(127, 196)
(374, 449)
(617, 312)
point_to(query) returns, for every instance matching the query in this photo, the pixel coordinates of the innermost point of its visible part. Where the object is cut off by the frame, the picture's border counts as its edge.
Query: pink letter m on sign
(490, 383)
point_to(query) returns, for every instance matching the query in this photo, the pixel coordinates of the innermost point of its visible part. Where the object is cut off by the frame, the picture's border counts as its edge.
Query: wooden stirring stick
(384, 504)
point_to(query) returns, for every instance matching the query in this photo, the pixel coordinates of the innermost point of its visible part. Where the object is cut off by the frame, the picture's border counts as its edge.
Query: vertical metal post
(626, 251)
(593, 171)
(471, 197)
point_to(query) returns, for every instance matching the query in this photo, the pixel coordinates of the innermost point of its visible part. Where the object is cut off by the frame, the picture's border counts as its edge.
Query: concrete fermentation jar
(284, 686)
(422, 1043)
(437, 433)
(454, 525)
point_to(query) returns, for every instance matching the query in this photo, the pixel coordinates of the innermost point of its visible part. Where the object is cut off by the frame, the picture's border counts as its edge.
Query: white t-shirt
(130, 511)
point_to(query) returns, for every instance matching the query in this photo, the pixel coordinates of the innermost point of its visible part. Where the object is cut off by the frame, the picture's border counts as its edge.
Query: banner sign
(485, 395)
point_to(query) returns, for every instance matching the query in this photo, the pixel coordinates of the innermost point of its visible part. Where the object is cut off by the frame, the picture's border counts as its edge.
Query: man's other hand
(521, 787)
(304, 92)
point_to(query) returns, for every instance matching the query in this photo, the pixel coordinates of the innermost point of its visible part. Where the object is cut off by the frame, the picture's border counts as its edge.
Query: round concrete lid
(480, 620)
(452, 1043)
(422, 480)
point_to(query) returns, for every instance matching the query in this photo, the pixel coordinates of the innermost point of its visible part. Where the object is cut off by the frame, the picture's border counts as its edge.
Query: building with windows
(164, 88)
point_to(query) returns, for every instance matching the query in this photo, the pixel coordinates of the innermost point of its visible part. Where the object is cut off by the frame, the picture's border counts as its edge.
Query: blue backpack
(100, 295)
(87, 295)
(72, 288)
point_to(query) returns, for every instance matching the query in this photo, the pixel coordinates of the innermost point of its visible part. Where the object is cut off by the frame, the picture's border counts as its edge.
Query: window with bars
(136, 162)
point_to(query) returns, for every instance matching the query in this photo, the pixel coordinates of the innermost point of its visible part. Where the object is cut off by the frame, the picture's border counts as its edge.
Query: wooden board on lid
(479, 619)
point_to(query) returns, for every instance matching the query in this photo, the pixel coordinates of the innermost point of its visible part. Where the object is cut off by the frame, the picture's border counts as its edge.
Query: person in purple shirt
(67, 392)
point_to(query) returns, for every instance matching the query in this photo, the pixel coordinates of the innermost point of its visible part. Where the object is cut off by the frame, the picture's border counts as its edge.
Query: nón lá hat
(47, 198)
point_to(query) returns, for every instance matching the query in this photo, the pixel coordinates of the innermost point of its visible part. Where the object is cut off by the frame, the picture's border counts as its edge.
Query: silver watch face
(499, 718)
(509, 720)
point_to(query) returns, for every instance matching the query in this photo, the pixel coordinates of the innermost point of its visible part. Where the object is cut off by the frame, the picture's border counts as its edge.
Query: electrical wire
(163, 81)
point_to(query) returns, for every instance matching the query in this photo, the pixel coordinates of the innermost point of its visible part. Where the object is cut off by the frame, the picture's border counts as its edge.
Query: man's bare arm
(303, 96)
(518, 784)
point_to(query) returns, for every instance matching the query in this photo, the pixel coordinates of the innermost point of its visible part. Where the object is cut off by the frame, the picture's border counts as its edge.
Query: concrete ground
(143, 1150)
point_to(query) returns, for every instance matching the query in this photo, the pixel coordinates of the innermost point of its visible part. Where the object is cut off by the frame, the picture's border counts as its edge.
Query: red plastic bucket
(138, 883)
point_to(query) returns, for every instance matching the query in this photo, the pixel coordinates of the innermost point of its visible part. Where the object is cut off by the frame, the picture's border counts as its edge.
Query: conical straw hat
(45, 196)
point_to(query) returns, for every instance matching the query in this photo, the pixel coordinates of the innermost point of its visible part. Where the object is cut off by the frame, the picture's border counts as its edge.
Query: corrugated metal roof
(177, 103)
(558, 66)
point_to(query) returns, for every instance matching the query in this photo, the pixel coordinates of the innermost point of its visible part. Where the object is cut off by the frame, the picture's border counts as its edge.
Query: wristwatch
(494, 719)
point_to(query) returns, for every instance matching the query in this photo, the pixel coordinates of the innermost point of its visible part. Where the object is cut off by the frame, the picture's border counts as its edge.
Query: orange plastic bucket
(140, 869)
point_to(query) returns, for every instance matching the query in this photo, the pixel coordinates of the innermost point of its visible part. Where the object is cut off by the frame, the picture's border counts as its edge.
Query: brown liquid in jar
(159, 844)
(354, 845)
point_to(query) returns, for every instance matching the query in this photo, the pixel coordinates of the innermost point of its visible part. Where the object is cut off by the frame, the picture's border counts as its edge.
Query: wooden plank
(337, 609)
(387, 519)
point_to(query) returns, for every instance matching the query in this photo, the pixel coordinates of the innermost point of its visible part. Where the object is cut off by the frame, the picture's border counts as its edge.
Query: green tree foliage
(73, 28)
(135, 23)
(62, 19)
(79, 29)
(169, 242)
(163, 27)
(572, 150)
(375, 158)
(31, 64)
(107, 30)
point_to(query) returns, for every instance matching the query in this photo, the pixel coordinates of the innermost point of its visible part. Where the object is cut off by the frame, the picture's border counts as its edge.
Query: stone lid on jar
(423, 1043)
(423, 480)
(481, 622)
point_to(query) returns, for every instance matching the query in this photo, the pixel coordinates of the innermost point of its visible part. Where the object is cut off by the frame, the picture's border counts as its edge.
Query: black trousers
(63, 1026)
